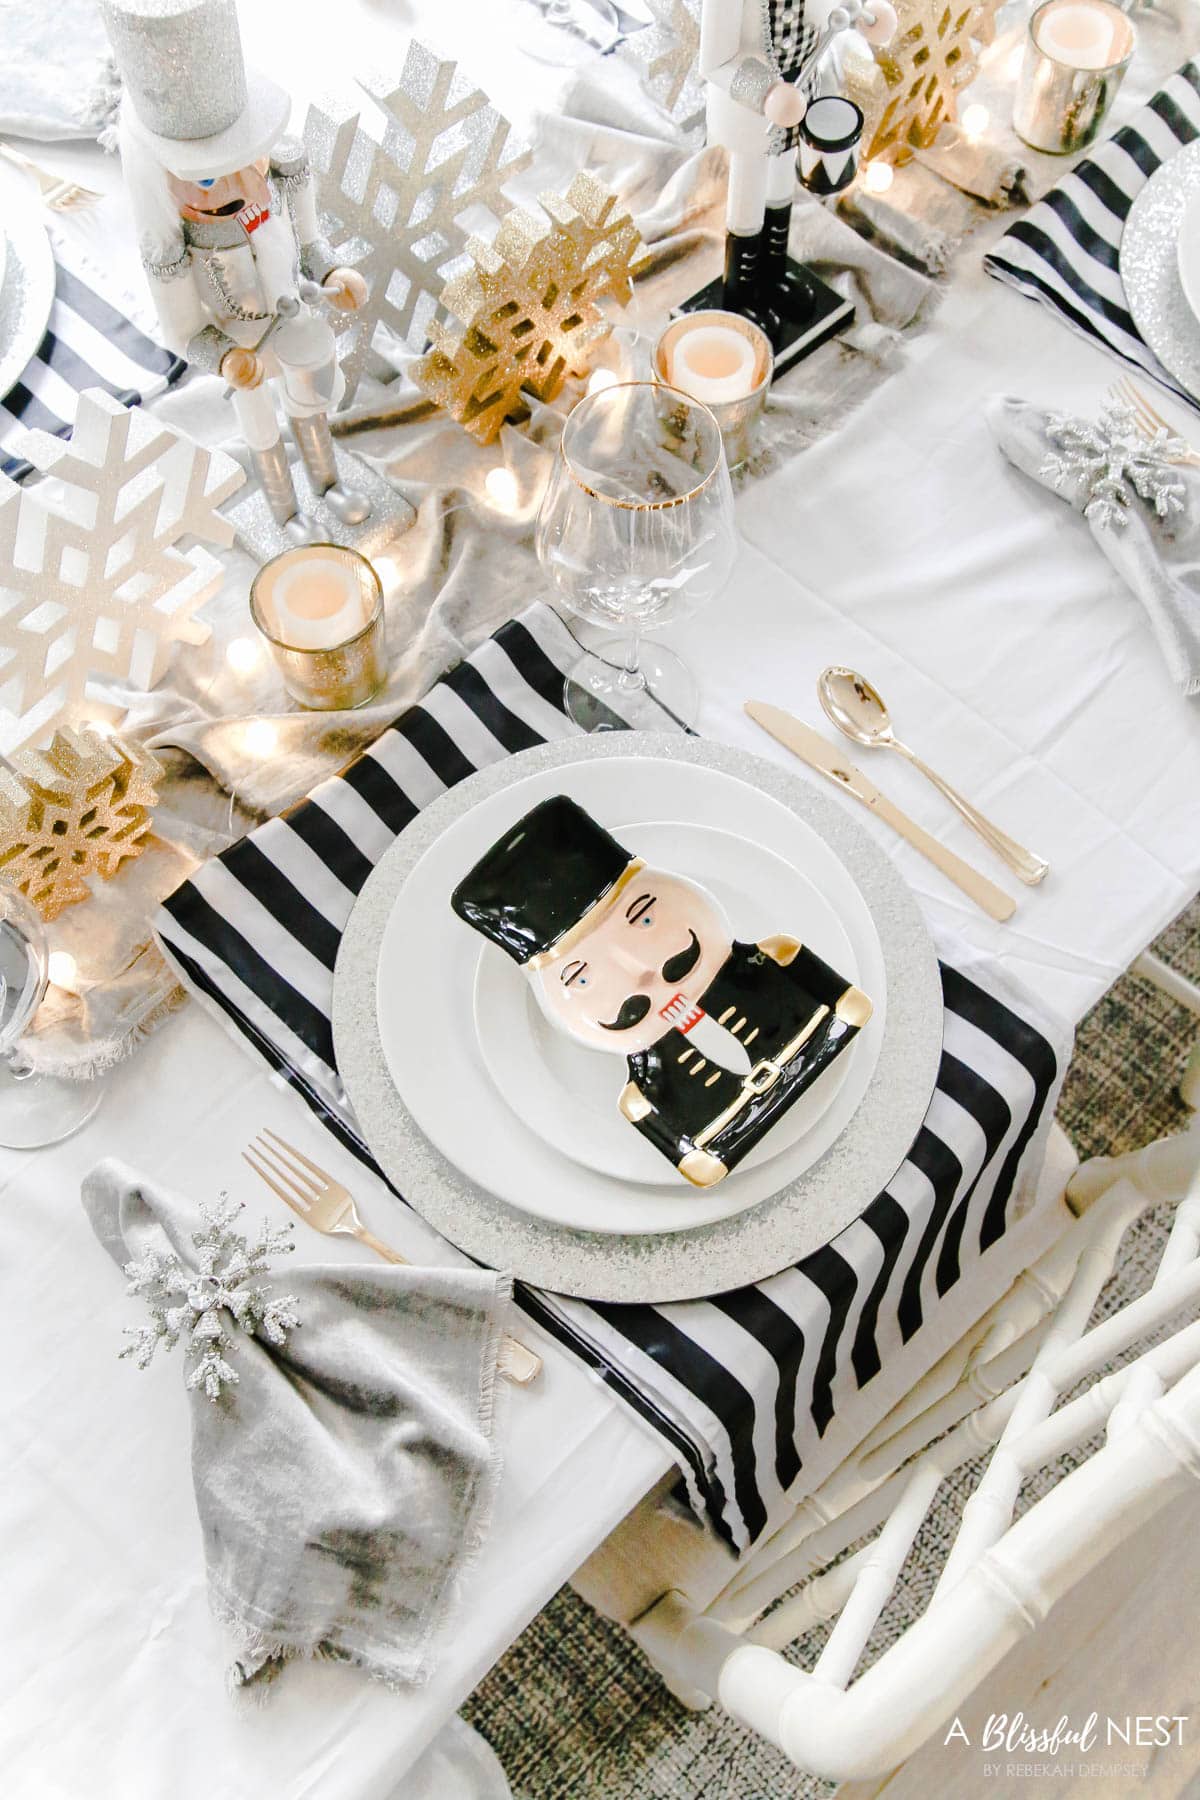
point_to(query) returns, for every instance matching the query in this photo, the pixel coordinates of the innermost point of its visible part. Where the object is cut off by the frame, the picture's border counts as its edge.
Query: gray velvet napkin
(345, 1480)
(1156, 551)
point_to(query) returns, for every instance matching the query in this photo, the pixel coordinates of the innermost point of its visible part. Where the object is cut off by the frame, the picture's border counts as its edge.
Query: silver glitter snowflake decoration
(667, 53)
(1110, 462)
(400, 206)
(195, 1304)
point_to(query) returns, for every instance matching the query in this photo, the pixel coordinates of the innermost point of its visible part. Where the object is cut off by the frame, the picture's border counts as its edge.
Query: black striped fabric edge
(1093, 172)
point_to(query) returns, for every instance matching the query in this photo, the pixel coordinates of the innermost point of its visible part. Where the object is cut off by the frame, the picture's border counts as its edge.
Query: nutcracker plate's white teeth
(715, 1043)
(681, 1013)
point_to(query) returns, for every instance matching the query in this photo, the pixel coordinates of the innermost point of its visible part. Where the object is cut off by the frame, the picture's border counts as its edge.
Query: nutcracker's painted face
(661, 938)
(223, 196)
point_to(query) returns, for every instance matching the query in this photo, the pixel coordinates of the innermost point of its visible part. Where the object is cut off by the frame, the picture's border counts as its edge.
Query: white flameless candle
(318, 604)
(1083, 34)
(714, 364)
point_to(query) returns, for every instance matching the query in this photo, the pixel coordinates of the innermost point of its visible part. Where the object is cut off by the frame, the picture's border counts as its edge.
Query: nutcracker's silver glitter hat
(194, 103)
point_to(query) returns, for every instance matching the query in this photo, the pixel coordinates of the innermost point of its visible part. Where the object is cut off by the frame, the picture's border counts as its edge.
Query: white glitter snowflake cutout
(94, 585)
(666, 53)
(196, 1304)
(1109, 462)
(399, 205)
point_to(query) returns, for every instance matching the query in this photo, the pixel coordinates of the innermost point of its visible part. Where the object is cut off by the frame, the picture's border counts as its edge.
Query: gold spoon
(852, 704)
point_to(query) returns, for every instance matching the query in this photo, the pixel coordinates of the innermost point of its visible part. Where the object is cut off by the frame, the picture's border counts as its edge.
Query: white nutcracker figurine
(759, 59)
(229, 237)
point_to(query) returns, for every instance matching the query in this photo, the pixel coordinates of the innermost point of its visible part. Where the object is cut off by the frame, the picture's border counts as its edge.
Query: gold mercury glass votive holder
(320, 607)
(1076, 55)
(736, 418)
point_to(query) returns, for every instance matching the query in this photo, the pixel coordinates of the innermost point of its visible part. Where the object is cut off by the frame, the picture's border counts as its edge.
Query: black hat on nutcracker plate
(542, 879)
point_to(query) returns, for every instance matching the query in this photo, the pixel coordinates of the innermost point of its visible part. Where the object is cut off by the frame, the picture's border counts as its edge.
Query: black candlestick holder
(798, 311)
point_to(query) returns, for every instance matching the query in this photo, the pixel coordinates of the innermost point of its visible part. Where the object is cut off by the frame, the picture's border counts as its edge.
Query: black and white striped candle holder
(830, 133)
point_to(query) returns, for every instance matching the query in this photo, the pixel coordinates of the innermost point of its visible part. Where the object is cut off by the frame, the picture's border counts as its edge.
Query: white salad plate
(567, 1094)
(429, 955)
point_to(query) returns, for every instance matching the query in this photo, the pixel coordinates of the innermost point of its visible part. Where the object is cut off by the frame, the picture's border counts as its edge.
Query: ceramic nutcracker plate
(432, 956)
(567, 1094)
(414, 1072)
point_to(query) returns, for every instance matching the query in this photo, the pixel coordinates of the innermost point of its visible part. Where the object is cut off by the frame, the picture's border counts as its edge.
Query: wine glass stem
(631, 679)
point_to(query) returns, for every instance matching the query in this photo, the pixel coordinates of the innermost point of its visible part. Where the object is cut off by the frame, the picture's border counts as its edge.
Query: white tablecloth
(1013, 659)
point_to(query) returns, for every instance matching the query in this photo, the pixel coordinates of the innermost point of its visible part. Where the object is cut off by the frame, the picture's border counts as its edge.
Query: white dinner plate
(638, 1266)
(425, 993)
(567, 1093)
(26, 276)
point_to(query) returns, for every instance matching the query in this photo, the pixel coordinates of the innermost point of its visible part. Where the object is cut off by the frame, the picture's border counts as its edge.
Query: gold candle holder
(1076, 55)
(737, 416)
(320, 607)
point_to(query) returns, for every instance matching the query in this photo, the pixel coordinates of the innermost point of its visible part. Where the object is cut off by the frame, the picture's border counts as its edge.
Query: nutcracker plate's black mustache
(678, 968)
(634, 1010)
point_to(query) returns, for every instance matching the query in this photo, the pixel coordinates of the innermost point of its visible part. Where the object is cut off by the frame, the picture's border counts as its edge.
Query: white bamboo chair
(999, 1389)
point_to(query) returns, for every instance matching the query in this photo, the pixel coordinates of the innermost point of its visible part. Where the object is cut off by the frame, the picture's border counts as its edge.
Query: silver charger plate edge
(681, 1265)
(1149, 268)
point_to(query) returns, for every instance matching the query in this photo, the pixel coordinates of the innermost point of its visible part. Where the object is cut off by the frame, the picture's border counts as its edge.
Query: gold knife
(814, 750)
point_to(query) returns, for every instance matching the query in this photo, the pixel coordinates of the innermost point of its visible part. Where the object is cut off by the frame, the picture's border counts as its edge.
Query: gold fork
(59, 194)
(1146, 418)
(329, 1207)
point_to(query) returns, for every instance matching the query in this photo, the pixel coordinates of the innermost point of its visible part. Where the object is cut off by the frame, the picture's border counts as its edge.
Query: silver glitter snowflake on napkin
(196, 1303)
(1110, 462)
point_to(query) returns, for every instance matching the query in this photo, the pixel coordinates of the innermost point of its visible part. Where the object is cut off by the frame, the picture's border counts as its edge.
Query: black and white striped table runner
(742, 1385)
(89, 342)
(1064, 251)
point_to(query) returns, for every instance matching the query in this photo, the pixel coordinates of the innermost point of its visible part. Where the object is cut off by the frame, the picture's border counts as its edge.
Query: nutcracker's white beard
(155, 213)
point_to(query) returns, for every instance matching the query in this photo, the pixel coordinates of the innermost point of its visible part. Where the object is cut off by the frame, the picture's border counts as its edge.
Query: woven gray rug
(575, 1712)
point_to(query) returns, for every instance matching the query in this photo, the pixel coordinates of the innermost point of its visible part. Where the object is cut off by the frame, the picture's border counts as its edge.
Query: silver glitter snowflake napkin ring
(1109, 462)
(196, 1303)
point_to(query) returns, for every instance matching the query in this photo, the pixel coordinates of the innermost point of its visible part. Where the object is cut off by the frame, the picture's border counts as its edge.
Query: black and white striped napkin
(744, 1386)
(1065, 250)
(90, 342)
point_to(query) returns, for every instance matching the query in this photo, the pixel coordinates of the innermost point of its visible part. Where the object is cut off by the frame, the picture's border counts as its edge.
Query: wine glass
(34, 1109)
(636, 530)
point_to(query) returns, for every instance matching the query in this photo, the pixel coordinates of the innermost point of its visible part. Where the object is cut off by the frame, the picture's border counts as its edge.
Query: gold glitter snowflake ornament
(75, 810)
(526, 314)
(910, 89)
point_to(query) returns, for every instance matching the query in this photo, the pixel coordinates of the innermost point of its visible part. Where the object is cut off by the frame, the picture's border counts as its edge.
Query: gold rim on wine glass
(657, 388)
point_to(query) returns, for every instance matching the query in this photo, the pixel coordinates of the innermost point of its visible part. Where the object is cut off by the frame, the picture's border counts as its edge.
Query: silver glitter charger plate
(1150, 268)
(26, 277)
(676, 1265)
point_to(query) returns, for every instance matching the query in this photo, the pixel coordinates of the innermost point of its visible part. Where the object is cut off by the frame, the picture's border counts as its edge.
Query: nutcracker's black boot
(788, 284)
(745, 288)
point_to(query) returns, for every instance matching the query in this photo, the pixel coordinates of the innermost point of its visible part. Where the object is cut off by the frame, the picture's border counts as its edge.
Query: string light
(62, 969)
(975, 121)
(261, 737)
(243, 655)
(601, 378)
(388, 571)
(878, 177)
(501, 485)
